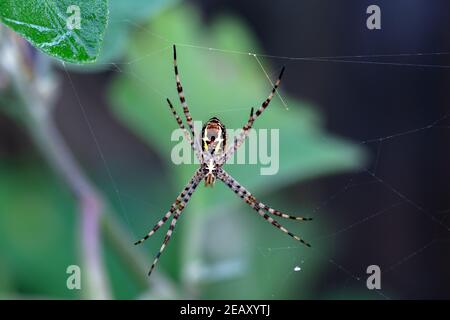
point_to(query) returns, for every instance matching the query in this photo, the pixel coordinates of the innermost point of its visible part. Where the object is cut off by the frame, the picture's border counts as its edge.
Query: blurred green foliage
(221, 248)
(224, 85)
(38, 232)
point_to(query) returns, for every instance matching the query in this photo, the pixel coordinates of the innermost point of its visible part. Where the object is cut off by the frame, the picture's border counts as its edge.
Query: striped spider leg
(253, 116)
(211, 150)
(186, 111)
(258, 206)
(176, 208)
(187, 135)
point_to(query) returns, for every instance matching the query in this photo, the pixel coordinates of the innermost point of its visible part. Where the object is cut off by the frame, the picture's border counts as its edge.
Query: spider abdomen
(210, 179)
(214, 136)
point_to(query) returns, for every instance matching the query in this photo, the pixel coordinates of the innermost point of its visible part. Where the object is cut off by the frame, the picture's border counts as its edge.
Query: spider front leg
(187, 135)
(182, 97)
(251, 120)
(259, 206)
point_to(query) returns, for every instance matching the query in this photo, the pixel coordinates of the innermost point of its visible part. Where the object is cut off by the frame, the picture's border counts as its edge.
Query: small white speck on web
(297, 269)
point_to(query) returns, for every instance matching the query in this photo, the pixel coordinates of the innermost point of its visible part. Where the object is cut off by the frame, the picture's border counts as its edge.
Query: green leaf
(51, 26)
(125, 17)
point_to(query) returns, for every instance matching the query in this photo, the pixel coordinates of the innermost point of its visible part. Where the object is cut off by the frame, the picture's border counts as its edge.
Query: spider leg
(179, 121)
(232, 149)
(253, 116)
(281, 214)
(158, 225)
(180, 202)
(182, 127)
(259, 206)
(181, 93)
(242, 192)
(166, 239)
(198, 177)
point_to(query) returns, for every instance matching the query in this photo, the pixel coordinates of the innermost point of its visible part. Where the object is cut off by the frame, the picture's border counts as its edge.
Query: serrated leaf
(52, 26)
(125, 17)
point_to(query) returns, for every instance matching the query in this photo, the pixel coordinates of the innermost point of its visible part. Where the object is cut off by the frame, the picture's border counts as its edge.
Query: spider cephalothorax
(212, 152)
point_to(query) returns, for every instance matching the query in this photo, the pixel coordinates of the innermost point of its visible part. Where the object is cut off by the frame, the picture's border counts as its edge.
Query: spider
(213, 152)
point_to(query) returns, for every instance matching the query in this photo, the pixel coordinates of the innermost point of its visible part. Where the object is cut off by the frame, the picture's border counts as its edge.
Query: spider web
(370, 175)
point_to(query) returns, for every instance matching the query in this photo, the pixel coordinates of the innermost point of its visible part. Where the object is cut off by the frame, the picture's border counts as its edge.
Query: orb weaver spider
(213, 154)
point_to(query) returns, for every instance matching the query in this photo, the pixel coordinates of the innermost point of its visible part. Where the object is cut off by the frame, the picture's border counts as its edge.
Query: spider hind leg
(177, 208)
(166, 240)
(258, 206)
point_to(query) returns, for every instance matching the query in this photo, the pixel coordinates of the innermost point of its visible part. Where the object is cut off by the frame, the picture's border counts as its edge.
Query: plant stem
(49, 141)
(47, 138)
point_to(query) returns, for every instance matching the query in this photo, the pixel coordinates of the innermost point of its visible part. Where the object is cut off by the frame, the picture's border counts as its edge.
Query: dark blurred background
(367, 101)
(393, 211)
